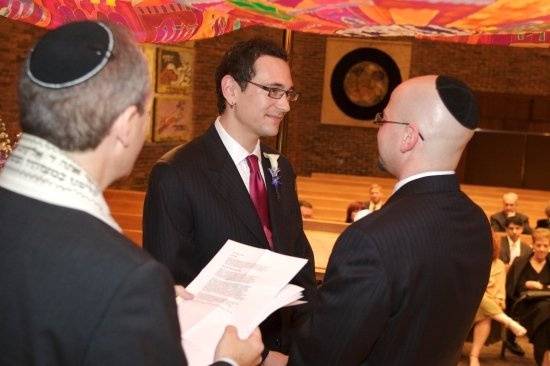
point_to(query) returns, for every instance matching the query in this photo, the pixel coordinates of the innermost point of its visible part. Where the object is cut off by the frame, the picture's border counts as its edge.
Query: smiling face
(258, 114)
(541, 247)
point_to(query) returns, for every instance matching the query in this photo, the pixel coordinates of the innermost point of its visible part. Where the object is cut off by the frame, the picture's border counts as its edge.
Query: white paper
(240, 286)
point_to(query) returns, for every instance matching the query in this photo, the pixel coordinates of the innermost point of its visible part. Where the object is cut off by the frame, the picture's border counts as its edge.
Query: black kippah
(70, 54)
(459, 100)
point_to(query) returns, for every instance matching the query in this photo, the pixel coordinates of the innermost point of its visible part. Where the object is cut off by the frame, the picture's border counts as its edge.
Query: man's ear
(410, 138)
(229, 89)
(123, 125)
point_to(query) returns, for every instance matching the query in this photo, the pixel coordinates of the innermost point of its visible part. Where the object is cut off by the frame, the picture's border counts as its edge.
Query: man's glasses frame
(277, 93)
(379, 120)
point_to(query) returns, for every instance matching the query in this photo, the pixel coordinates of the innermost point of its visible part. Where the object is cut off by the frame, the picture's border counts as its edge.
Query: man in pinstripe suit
(403, 284)
(201, 194)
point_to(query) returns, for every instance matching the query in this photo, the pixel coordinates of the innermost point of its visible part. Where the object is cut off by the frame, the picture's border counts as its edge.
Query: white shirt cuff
(228, 360)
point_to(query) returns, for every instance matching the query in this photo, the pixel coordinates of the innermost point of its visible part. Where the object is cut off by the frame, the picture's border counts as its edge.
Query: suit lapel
(505, 249)
(228, 182)
(275, 213)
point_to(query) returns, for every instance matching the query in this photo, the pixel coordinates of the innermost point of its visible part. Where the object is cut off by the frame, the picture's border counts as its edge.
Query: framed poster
(173, 119)
(175, 71)
(150, 55)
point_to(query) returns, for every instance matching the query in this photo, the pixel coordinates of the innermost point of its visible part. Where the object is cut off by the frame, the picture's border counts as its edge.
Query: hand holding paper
(247, 352)
(240, 286)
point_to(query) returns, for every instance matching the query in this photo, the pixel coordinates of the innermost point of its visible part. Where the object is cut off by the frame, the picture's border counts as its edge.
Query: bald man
(403, 285)
(509, 209)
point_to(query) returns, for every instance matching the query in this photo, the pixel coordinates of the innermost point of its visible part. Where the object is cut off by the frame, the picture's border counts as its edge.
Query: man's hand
(246, 352)
(275, 359)
(534, 285)
(181, 292)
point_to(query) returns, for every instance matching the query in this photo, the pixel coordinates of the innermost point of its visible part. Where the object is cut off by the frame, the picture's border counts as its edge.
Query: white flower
(273, 161)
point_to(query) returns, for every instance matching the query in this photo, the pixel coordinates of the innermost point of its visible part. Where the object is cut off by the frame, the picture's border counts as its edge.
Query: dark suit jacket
(403, 284)
(74, 291)
(504, 255)
(196, 201)
(544, 223)
(498, 220)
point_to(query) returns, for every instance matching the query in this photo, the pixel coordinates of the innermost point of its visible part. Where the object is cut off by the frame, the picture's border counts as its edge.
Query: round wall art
(362, 81)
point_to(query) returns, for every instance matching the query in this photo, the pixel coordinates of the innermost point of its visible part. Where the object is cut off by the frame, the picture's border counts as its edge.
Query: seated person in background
(491, 307)
(352, 210)
(545, 223)
(73, 289)
(375, 198)
(509, 201)
(306, 209)
(532, 273)
(511, 245)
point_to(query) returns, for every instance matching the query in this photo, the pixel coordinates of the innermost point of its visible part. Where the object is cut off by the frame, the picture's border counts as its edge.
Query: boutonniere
(274, 170)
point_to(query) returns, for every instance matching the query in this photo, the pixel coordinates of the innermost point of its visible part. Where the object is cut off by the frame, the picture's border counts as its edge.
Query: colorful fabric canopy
(171, 21)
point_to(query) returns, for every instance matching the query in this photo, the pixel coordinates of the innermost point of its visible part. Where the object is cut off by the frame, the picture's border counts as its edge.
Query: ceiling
(500, 22)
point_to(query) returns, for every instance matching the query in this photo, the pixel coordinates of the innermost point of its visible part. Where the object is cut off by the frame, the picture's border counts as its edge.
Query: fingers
(256, 333)
(181, 292)
(231, 330)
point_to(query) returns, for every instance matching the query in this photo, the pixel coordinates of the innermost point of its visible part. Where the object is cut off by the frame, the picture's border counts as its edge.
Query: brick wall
(311, 146)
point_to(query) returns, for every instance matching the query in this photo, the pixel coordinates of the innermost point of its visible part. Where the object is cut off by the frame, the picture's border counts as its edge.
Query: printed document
(241, 286)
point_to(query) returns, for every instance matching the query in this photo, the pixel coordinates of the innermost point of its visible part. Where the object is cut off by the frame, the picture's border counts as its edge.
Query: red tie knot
(252, 161)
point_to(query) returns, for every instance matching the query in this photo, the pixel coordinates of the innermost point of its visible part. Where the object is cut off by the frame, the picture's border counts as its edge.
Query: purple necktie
(259, 196)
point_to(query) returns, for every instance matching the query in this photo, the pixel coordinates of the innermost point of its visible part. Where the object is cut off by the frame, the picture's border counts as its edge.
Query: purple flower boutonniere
(274, 170)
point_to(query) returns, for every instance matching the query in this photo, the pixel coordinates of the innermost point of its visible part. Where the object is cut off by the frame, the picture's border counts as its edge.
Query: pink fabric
(259, 196)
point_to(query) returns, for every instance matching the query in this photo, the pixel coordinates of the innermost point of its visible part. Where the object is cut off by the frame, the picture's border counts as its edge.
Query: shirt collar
(402, 182)
(235, 150)
(513, 243)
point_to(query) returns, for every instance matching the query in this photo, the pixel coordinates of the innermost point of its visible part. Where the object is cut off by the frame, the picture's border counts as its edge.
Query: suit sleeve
(495, 225)
(168, 223)
(305, 278)
(352, 307)
(140, 325)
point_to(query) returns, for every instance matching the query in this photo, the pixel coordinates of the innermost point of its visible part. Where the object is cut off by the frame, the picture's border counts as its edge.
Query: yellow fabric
(492, 302)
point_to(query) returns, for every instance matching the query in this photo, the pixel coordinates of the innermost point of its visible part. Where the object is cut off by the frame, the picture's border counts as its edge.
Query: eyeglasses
(379, 120)
(277, 93)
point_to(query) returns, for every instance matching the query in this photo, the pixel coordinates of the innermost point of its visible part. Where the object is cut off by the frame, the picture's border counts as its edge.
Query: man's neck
(233, 128)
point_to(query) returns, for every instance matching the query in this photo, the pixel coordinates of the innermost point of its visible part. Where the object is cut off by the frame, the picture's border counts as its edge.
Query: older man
(403, 285)
(509, 209)
(73, 289)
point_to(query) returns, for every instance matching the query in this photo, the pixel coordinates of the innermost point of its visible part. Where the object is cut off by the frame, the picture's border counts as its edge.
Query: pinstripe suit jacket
(73, 291)
(403, 284)
(196, 200)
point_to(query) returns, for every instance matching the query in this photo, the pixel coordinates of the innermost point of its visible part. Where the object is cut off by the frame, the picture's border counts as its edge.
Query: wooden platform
(330, 195)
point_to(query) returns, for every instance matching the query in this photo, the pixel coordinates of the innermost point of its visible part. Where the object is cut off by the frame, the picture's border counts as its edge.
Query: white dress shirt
(239, 154)
(515, 248)
(402, 182)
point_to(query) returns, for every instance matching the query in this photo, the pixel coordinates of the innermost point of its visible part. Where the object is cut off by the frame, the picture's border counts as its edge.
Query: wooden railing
(330, 195)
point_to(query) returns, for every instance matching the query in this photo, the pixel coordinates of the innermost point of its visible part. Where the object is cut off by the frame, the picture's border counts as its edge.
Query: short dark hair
(516, 220)
(304, 203)
(239, 61)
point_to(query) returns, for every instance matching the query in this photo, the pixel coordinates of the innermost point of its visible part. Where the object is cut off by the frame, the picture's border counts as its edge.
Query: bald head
(509, 203)
(441, 113)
